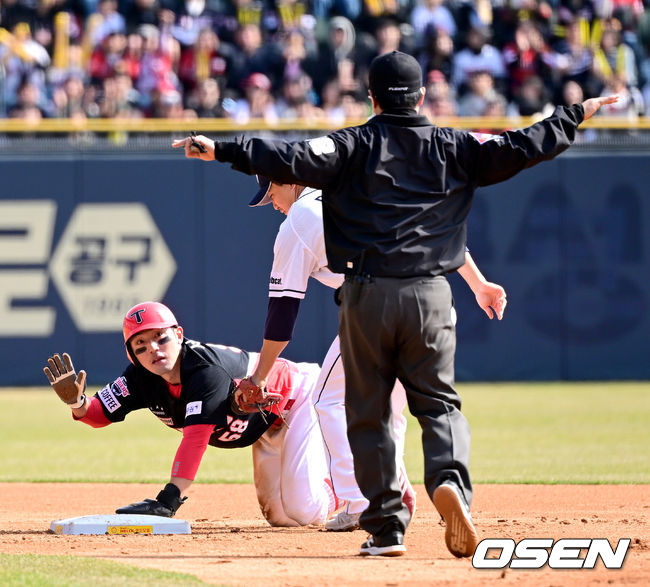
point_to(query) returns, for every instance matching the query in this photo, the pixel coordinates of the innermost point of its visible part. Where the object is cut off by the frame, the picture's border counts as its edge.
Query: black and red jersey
(208, 372)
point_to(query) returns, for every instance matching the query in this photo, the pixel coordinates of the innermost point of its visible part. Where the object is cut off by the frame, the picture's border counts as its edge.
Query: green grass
(41, 442)
(68, 571)
(558, 432)
(521, 433)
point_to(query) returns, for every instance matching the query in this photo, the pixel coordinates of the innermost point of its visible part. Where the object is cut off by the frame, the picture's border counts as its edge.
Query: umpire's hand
(592, 105)
(196, 147)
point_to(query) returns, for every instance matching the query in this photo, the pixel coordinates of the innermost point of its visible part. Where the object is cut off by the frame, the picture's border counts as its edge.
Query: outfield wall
(84, 236)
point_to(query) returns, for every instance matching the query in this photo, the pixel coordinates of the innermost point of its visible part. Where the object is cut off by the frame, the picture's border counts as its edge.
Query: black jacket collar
(401, 117)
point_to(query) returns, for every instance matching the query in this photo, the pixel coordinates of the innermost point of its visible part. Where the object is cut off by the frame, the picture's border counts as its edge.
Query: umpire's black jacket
(399, 187)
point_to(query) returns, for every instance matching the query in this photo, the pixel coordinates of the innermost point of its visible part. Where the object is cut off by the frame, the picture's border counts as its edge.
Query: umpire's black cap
(262, 196)
(393, 74)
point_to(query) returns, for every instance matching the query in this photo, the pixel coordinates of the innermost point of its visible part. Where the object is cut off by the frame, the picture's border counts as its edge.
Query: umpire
(397, 191)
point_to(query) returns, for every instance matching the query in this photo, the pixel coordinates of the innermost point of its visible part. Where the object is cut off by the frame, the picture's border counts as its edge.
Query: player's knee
(276, 516)
(304, 515)
(282, 522)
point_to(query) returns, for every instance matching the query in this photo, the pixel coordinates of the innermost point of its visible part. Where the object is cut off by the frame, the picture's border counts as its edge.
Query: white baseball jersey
(298, 254)
(299, 250)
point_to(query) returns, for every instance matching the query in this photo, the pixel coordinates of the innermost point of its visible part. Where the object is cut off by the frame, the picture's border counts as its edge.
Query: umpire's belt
(362, 278)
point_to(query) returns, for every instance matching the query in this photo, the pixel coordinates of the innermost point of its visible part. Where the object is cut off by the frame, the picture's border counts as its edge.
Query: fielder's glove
(166, 504)
(69, 386)
(248, 398)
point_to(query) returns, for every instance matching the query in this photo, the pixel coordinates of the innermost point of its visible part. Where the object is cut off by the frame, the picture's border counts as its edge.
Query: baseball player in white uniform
(299, 253)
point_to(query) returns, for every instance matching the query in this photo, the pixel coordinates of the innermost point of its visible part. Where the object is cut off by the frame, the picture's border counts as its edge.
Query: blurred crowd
(308, 59)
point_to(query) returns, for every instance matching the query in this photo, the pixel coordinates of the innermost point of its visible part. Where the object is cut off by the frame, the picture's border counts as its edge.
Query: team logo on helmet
(137, 315)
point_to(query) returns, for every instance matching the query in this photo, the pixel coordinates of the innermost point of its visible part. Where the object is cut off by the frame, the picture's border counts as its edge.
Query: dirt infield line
(231, 543)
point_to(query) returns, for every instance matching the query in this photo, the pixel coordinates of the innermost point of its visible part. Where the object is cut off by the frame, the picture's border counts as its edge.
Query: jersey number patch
(236, 428)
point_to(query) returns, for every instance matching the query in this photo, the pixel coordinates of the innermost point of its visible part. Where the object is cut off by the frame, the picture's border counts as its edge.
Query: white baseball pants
(289, 465)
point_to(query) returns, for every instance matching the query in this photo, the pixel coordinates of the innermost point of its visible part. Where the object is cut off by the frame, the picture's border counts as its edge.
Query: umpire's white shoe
(343, 522)
(460, 535)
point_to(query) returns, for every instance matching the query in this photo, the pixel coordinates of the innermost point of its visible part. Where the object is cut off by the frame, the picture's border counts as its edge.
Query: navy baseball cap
(262, 196)
(393, 74)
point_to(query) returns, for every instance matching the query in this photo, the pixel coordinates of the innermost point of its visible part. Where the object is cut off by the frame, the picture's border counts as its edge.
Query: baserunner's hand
(69, 386)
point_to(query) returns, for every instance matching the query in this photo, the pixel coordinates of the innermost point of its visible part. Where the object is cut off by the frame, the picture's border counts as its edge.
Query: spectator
(120, 99)
(332, 103)
(481, 93)
(496, 108)
(231, 15)
(257, 103)
(297, 100)
(132, 57)
(68, 98)
(524, 57)
(39, 16)
(24, 59)
(437, 53)
(71, 65)
(107, 21)
(252, 56)
(141, 12)
(339, 106)
(294, 54)
(294, 15)
(470, 14)
(440, 99)
(531, 99)
(630, 103)
(479, 55)
(169, 104)
(572, 59)
(431, 15)
(29, 104)
(157, 64)
(91, 100)
(207, 58)
(602, 42)
(107, 58)
(373, 11)
(354, 109)
(349, 9)
(43, 22)
(388, 36)
(207, 100)
(571, 93)
(612, 58)
(190, 21)
(610, 8)
(13, 11)
(338, 57)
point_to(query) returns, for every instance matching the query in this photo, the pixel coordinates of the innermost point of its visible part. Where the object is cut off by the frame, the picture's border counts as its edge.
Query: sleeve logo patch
(193, 408)
(119, 387)
(322, 146)
(483, 137)
(108, 399)
(276, 280)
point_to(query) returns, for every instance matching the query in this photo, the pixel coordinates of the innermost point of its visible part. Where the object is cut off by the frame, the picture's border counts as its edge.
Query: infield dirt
(231, 543)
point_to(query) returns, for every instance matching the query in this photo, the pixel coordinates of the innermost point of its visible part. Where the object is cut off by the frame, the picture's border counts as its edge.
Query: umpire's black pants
(401, 328)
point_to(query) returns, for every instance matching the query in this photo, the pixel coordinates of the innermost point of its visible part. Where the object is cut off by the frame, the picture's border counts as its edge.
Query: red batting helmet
(145, 316)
